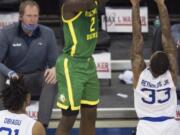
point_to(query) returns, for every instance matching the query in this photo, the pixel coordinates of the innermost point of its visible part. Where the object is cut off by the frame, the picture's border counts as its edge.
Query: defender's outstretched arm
(137, 59)
(167, 41)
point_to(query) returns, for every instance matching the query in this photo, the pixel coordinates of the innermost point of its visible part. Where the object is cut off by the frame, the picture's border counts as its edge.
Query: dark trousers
(45, 93)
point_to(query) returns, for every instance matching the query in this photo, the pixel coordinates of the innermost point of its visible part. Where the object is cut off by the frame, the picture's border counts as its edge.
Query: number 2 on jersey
(92, 28)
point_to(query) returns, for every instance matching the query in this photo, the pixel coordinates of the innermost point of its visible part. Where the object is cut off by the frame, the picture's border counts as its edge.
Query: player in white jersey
(14, 120)
(154, 86)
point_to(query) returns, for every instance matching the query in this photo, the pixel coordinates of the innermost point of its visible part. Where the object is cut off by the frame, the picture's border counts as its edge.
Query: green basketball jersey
(81, 33)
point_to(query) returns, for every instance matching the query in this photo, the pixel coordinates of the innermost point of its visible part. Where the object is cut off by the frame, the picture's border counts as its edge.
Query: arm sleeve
(3, 50)
(4, 69)
(175, 31)
(52, 50)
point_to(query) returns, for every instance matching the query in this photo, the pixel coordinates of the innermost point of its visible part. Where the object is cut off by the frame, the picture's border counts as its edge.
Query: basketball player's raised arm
(102, 2)
(167, 41)
(75, 6)
(137, 60)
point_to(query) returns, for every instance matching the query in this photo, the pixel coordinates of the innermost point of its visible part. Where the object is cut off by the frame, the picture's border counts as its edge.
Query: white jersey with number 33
(15, 124)
(155, 97)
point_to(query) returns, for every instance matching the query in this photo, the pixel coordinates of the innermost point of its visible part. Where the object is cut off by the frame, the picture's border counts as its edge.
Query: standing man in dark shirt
(30, 49)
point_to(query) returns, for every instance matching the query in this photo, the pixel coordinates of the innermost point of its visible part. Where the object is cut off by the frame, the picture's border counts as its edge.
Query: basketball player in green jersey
(76, 71)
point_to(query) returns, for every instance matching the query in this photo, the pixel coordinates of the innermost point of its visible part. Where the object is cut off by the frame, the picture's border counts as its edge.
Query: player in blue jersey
(14, 119)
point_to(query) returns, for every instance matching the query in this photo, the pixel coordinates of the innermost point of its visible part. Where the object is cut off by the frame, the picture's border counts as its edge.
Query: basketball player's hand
(90, 4)
(13, 75)
(50, 75)
(178, 44)
(134, 2)
(159, 1)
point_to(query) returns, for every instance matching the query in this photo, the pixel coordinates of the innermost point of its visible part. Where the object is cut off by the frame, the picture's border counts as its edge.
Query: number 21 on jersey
(8, 131)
